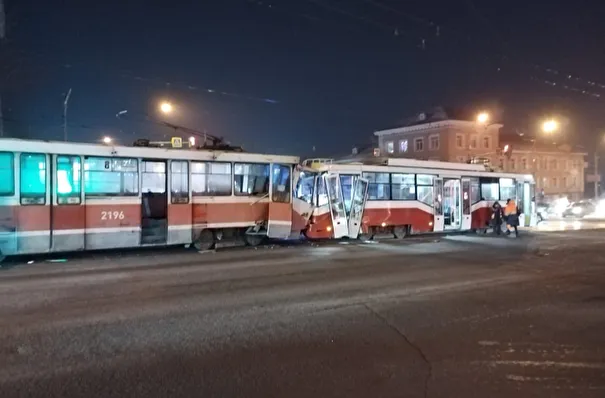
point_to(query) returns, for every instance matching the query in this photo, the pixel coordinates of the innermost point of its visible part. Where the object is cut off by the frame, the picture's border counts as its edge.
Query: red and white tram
(403, 196)
(57, 197)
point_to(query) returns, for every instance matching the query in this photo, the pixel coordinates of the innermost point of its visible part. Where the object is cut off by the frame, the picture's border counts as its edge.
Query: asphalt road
(462, 316)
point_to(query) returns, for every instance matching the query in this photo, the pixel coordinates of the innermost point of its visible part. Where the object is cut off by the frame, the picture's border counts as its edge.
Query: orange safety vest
(511, 208)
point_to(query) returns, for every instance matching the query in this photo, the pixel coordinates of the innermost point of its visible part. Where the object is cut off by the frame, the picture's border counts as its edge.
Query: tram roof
(87, 149)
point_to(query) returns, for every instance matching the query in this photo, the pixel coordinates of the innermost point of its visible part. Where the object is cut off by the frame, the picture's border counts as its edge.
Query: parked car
(579, 209)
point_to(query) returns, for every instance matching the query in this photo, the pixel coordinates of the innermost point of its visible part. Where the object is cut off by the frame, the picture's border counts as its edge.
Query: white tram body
(59, 196)
(402, 196)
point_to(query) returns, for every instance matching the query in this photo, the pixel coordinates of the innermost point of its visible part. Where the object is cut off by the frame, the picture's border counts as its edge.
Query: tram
(404, 196)
(61, 197)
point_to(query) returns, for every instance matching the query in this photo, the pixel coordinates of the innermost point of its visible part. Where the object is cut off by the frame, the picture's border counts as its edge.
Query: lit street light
(166, 108)
(107, 140)
(483, 117)
(550, 126)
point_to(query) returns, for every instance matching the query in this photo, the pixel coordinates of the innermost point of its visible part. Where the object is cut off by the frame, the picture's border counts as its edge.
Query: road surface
(459, 316)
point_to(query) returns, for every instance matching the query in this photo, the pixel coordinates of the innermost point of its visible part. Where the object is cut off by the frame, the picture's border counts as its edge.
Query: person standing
(497, 217)
(512, 217)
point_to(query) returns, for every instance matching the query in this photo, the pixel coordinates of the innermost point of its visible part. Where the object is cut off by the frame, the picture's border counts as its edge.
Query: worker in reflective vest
(512, 217)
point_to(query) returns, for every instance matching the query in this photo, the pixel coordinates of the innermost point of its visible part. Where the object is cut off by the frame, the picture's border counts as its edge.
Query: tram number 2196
(112, 215)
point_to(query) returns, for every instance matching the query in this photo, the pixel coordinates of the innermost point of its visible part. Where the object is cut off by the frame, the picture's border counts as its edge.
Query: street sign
(593, 177)
(177, 142)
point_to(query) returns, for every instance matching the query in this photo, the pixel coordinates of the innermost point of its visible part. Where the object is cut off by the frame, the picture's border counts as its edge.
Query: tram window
(322, 194)
(33, 179)
(489, 188)
(69, 179)
(251, 179)
(111, 177)
(475, 191)
(346, 185)
(281, 183)
(403, 187)
(424, 179)
(153, 177)
(507, 188)
(210, 179)
(304, 187)
(7, 174)
(425, 194)
(179, 189)
(378, 186)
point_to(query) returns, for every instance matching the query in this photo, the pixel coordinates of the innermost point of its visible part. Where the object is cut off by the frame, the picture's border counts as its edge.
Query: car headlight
(576, 210)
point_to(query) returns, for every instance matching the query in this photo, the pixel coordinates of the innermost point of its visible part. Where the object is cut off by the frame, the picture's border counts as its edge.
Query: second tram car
(403, 196)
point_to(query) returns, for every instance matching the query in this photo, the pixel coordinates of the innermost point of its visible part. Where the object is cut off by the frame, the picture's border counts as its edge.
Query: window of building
(304, 187)
(486, 142)
(501, 164)
(33, 178)
(111, 176)
(434, 142)
(403, 146)
(511, 163)
(574, 182)
(69, 179)
(576, 164)
(424, 188)
(523, 164)
(489, 188)
(403, 187)
(378, 186)
(554, 182)
(281, 183)
(390, 147)
(473, 143)
(459, 141)
(7, 174)
(251, 179)
(153, 177)
(179, 185)
(419, 144)
(544, 163)
(475, 190)
(211, 179)
(507, 188)
(564, 182)
(553, 164)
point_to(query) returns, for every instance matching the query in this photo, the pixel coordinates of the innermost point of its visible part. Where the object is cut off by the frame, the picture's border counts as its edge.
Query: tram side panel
(113, 222)
(388, 214)
(481, 215)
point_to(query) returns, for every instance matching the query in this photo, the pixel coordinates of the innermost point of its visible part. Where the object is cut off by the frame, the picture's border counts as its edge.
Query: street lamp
(107, 140)
(550, 126)
(166, 108)
(483, 117)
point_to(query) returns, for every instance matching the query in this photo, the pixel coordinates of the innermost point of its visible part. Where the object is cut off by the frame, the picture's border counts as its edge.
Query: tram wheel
(254, 240)
(205, 240)
(400, 232)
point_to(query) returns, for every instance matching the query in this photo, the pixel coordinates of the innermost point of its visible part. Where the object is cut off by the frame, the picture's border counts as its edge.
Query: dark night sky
(336, 78)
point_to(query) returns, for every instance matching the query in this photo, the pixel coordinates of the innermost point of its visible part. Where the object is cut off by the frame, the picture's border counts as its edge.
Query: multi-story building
(557, 170)
(439, 136)
(454, 137)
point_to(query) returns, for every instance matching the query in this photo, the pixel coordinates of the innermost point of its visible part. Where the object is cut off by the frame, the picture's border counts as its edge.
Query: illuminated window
(33, 178)
(69, 179)
(179, 185)
(475, 190)
(7, 174)
(403, 146)
(281, 183)
(378, 186)
(211, 179)
(251, 179)
(111, 176)
(424, 189)
(507, 188)
(305, 186)
(403, 187)
(390, 147)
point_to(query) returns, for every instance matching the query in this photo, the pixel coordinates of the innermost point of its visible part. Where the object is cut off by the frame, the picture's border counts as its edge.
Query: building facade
(431, 138)
(558, 170)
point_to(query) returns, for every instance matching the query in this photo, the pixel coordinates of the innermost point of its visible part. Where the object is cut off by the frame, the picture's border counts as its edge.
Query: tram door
(337, 206)
(451, 204)
(466, 204)
(358, 202)
(154, 203)
(439, 220)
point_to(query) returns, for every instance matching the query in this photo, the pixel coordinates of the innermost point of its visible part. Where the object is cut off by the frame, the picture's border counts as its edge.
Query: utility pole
(2, 57)
(65, 104)
(597, 176)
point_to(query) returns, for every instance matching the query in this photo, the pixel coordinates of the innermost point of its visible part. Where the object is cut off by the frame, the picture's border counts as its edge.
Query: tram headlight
(576, 210)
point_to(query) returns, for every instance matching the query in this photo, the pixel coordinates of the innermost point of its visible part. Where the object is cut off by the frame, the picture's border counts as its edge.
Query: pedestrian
(497, 217)
(512, 217)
